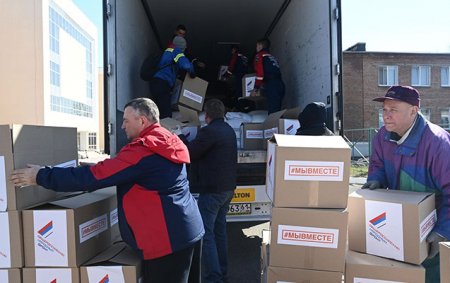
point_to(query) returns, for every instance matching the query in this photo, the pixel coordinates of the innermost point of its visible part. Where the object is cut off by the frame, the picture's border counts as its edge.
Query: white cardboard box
(391, 223)
(11, 246)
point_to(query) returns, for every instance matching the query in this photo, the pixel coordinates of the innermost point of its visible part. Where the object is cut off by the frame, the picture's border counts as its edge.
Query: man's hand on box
(25, 177)
(372, 185)
(433, 239)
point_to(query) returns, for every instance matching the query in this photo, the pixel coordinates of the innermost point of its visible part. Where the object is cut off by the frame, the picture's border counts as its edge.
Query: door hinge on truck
(108, 9)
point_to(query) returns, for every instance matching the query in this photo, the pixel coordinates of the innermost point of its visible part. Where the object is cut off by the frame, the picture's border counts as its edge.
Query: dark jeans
(195, 273)
(173, 268)
(273, 90)
(432, 271)
(214, 208)
(161, 92)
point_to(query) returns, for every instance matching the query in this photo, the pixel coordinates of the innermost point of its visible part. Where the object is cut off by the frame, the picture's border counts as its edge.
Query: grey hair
(145, 107)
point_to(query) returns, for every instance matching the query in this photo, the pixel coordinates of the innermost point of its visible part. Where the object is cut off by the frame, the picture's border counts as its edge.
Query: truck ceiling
(213, 25)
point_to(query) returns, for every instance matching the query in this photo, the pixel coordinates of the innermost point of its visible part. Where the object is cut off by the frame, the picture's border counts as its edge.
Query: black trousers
(160, 91)
(173, 268)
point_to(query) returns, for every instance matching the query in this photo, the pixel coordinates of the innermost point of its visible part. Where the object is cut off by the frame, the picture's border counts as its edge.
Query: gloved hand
(192, 75)
(372, 185)
(433, 239)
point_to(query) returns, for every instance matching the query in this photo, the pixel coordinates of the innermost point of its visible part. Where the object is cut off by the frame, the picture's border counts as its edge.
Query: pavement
(244, 245)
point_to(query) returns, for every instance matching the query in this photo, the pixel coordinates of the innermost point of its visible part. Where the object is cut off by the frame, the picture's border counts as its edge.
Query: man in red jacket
(158, 216)
(268, 76)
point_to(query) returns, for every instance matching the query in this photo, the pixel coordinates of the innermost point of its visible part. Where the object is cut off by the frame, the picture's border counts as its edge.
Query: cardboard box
(193, 93)
(187, 122)
(119, 263)
(444, 251)
(10, 275)
(284, 274)
(308, 171)
(68, 232)
(282, 122)
(23, 144)
(391, 223)
(248, 84)
(288, 124)
(11, 246)
(368, 268)
(38, 275)
(251, 136)
(308, 238)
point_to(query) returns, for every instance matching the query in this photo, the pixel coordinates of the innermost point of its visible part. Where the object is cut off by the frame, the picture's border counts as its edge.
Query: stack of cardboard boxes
(188, 97)
(392, 227)
(307, 181)
(254, 136)
(47, 236)
(21, 145)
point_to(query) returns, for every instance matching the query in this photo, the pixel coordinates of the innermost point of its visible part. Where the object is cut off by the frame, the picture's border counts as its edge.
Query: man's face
(180, 32)
(132, 123)
(259, 47)
(398, 116)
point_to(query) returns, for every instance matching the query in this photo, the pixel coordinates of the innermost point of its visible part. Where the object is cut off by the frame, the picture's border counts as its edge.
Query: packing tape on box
(309, 258)
(313, 197)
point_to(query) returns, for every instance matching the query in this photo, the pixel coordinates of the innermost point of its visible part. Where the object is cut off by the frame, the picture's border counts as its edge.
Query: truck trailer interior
(305, 37)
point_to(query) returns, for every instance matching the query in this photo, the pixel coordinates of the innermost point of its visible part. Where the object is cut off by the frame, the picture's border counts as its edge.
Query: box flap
(292, 113)
(272, 120)
(331, 142)
(107, 254)
(171, 124)
(84, 199)
(356, 258)
(189, 116)
(119, 253)
(394, 196)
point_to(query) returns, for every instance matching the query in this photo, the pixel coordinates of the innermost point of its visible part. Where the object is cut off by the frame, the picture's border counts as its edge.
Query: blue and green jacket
(179, 60)
(421, 163)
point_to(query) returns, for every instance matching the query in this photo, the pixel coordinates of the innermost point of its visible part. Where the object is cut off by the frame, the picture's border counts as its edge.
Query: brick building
(367, 75)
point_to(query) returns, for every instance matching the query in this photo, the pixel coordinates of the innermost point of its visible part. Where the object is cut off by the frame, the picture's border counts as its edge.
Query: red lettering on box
(305, 236)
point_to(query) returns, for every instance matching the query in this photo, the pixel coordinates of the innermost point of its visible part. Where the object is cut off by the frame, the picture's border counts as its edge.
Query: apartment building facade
(48, 70)
(367, 75)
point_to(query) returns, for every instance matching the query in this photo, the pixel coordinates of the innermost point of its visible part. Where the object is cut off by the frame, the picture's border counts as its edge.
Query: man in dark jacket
(312, 121)
(268, 76)
(172, 60)
(237, 67)
(158, 216)
(213, 174)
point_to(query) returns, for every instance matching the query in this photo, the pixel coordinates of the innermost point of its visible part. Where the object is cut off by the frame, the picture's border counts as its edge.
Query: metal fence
(360, 141)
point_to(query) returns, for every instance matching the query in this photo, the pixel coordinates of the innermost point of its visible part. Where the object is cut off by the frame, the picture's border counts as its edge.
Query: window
(54, 74)
(380, 118)
(445, 120)
(92, 140)
(445, 76)
(420, 75)
(387, 75)
(426, 112)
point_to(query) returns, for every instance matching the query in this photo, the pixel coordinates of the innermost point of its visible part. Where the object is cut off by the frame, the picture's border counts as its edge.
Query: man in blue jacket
(213, 174)
(413, 154)
(158, 216)
(172, 60)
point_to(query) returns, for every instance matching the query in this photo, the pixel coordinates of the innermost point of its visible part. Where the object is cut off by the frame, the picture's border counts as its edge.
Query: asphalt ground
(244, 249)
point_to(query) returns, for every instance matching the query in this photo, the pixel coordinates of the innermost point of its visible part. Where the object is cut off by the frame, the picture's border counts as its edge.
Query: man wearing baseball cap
(412, 154)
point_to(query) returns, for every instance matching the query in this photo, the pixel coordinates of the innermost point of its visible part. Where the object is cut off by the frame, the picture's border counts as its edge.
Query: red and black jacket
(266, 67)
(157, 213)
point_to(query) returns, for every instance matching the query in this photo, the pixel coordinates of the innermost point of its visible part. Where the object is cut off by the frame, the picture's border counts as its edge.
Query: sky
(397, 25)
(384, 25)
(93, 10)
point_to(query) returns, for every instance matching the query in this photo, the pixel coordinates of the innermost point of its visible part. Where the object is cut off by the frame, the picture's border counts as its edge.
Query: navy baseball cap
(403, 93)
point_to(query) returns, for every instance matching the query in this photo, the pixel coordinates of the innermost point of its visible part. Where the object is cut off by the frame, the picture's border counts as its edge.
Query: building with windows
(367, 75)
(48, 70)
